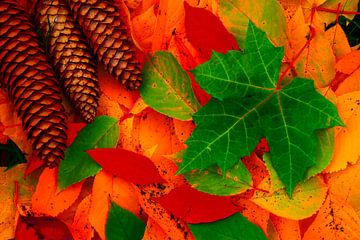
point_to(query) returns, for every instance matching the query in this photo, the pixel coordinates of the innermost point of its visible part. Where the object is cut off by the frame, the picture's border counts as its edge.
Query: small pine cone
(31, 84)
(70, 55)
(107, 33)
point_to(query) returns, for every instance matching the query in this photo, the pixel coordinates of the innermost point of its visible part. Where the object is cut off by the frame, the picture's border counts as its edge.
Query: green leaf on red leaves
(123, 225)
(77, 164)
(236, 227)
(248, 104)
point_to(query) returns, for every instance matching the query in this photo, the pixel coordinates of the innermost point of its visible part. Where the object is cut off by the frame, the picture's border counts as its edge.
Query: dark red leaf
(128, 165)
(194, 206)
(35, 228)
(206, 32)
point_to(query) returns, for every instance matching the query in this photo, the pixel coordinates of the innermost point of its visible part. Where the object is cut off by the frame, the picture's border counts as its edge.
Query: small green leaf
(77, 164)
(235, 181)
(236, 227)
(123, 225)
(167, 88)
(248, 105)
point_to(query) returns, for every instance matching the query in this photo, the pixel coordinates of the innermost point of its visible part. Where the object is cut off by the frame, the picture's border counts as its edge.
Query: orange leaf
(349, 84)
(105, 186)
(173, 227)
(336, 220)
(286, 228)
(254, 213)
(349, 63)
(153, 231)
(337, 38)
(344, 183)
(81, 228)
(347, 142)
(317, 60)
(170, 16)
(46, 200)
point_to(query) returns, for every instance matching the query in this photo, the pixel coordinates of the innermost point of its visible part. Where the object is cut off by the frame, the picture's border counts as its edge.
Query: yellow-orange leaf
(317, 60)
(336, 220)
(337, 39)
(347, 142)
(345, 183)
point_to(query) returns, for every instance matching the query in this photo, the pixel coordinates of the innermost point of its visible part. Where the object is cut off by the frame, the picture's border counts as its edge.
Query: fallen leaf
(346, 139)
(194, 206)
(77, 164)
(167, 87)
(336, 220)
(122, 224)
(35, 228)
(306, 200)
(132, 167)
(206, 32)
(46, 200)
(286, 228)
(234, 227)
(81, 228)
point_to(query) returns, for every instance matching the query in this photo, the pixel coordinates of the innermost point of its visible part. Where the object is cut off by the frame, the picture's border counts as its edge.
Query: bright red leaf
(206, 32)
(194, 206)
(128, 165)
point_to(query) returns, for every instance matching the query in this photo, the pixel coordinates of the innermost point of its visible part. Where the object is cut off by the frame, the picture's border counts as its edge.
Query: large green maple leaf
(248, 105)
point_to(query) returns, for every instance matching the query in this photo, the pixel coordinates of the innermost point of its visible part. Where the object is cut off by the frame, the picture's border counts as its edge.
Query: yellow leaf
(306, 199)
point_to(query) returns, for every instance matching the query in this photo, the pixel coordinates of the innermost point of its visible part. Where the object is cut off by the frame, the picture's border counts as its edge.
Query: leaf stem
(292, 63)
(337, 11)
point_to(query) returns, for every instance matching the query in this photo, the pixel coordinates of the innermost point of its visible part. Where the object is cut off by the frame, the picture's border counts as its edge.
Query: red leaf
(35, 228)
(194, 206)
(206, 32)
(128, 165)
(72, 131)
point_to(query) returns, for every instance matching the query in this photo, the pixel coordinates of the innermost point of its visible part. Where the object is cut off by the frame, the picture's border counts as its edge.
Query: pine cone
(70, 56)
(107, 34)
(31, 83)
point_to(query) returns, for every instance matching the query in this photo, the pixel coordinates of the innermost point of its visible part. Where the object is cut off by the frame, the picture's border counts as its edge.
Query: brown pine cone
(31, 83)
(70, 56)
(108, 36)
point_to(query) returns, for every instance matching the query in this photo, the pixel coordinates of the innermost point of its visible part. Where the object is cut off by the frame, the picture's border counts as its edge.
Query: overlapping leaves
(248, 104)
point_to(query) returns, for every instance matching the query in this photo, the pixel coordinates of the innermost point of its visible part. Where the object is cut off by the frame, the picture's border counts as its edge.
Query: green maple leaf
(248, 105)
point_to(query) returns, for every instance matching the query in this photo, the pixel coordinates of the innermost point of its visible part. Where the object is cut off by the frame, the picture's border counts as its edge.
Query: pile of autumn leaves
(137, 150)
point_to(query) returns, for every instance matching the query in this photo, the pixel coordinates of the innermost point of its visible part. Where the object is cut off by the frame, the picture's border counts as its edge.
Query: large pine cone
(31, 83)
(108, 36)
(70, 56)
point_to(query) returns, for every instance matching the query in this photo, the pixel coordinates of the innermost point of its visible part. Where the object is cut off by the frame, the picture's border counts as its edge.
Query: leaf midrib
(229, 129)
(177, 93)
